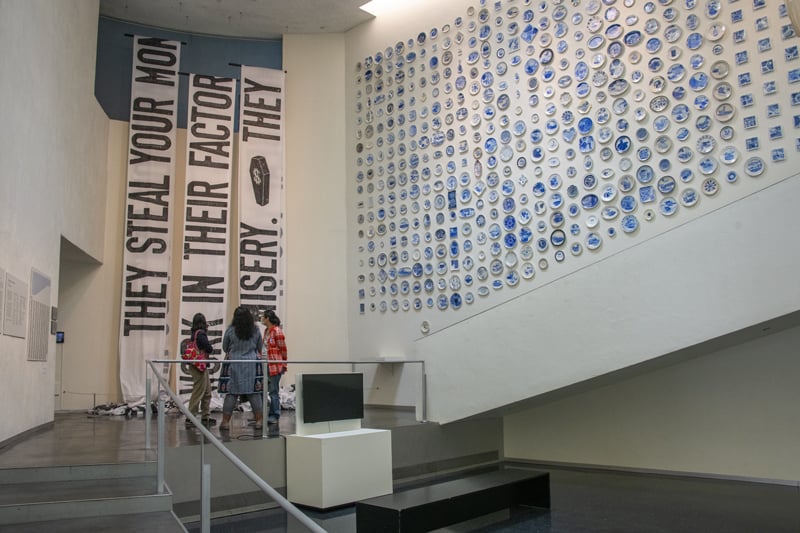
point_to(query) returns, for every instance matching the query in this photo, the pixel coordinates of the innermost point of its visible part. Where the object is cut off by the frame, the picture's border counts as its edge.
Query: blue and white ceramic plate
(628, 203)
(710, 186)
(725, 112)
(730, 155)
(527, 271)
(698, 81)
(685, 154)
(706, 144)
(629, 224)
(668, 206)
(708, 165)
(593, 240)
(754, 166)
(689, 197)
(719, 69)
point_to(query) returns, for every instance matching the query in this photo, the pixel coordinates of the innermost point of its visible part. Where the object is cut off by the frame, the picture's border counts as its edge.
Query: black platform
(435, 506)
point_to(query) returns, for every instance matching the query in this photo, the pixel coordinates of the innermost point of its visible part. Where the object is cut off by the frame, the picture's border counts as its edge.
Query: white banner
(148, 238)
(206, 229)
(262, 271)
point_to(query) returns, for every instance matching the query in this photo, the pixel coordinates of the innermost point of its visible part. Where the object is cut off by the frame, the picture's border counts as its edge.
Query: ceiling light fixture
(376, 7)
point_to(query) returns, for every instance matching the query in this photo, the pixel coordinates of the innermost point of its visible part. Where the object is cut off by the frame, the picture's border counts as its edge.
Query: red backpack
(191, 352)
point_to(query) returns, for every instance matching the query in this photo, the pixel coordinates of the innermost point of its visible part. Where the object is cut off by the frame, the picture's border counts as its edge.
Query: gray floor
(582, 500)
(80, 438)
(77, 438)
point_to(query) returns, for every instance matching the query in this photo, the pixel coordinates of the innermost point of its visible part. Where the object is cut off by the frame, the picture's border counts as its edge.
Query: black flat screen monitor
(328, 397)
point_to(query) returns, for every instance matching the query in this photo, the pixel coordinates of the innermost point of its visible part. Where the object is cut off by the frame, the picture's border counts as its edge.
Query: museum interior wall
(52, 181)
(507, 277)
(700, 259)
(314, 220)
(728, 413)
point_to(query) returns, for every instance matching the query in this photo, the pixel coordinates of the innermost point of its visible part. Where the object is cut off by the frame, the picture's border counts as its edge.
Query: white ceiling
(258, 19)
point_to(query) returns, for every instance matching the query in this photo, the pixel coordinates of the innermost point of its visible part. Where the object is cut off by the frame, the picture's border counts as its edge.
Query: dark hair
(243, 324)
(199, 322)
(272, 317)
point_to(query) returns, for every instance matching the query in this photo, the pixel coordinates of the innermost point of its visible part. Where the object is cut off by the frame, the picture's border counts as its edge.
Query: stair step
(90, 496)
(154, 522)
(37, 474)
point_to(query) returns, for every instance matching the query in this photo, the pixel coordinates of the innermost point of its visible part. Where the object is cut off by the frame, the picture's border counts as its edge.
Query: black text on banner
(151, 170)
(206, 229)
(262, 271)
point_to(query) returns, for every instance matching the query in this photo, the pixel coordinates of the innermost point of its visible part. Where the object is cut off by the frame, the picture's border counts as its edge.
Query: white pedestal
(331, 469)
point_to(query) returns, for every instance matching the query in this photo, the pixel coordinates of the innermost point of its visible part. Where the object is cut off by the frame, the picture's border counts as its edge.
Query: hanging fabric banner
(262, 271)
(148, 238)
(206, 228)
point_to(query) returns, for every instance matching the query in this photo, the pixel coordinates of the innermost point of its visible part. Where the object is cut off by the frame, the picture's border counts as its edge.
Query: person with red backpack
(200, 400)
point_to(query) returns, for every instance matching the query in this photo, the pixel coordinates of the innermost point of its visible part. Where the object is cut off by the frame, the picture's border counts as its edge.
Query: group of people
(242, 341)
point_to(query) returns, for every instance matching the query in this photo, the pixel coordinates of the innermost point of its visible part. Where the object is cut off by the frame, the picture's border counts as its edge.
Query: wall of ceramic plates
(524, 134)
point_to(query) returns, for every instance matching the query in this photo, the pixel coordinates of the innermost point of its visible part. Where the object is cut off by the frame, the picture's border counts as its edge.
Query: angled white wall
(718, 274)
(714, 268)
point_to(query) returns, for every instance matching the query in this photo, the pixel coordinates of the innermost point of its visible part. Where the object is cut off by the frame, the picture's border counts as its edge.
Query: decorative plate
(719, 69)
(706, 144)
(730, 155)
(708, 165)
(689, 197)
(593, 240)
(710, 186)
(668, 206)
(629, 224)
(754, 166)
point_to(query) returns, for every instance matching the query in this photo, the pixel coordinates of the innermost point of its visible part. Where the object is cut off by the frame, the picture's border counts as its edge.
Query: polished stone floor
(81, 438)
(581, 500)
(605, 502)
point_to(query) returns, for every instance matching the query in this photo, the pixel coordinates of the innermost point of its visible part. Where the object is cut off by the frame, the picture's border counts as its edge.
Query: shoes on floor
(258, 426)
(208, 422)
(272, 421)
(188, 423)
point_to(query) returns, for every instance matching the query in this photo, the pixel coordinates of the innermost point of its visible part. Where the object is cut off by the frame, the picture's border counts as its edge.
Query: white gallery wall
(316, 209)
(690, 284)
(726, 267)
(89, 373)
(732, 412)
(52, 182)
(728, 262)
(314, 226)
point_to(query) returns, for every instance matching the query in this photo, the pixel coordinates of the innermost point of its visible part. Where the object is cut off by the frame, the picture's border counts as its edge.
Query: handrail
(246, 470)
(423, 377)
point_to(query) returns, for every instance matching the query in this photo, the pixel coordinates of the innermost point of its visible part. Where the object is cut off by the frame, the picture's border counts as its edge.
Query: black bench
(435, 506)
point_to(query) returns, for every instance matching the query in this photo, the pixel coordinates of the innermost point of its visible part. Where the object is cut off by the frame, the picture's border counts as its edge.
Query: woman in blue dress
(242, 341)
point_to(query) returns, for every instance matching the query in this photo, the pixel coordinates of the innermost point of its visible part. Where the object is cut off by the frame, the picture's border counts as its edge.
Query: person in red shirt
(275, 346)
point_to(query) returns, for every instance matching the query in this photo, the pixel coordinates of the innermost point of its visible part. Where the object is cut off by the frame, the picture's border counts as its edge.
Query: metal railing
(205, 485)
